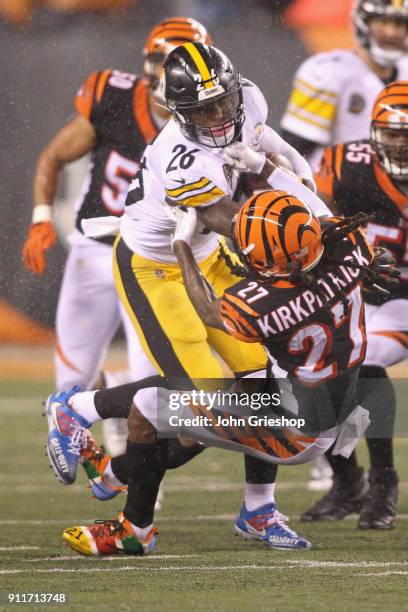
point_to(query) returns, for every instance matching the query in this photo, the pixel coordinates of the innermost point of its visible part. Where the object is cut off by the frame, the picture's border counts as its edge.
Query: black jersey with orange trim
(351, 177)
(117, 105)
(315, 332)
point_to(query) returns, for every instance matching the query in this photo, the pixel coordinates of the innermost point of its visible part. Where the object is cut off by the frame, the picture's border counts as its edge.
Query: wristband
(42, 213)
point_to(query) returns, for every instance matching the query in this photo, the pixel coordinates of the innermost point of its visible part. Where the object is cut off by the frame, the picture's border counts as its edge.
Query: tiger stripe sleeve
(201, 192)
(90, 93)
(235, 320)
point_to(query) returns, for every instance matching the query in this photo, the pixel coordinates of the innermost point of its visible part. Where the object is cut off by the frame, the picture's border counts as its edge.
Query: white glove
(242, 158)
(185, 220)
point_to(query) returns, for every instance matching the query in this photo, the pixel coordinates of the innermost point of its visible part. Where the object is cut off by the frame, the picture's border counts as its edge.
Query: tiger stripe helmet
(175, 31)
(389, 129)
(276, 234)
(163, 38)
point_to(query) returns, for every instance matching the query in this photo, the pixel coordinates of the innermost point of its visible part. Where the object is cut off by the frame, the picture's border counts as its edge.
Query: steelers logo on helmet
(163, 38)
(276, 234)
(204, 94)
(389, 130)
(384, 52)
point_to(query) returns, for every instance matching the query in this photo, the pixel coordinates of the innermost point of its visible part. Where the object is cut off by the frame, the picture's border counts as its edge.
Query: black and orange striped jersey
(117, 105)
(315, 332)
(350, 177)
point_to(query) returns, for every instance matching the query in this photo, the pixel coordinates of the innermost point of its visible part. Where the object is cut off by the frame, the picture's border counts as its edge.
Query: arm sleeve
(235, 322)
(325, 174)
(271, 142)
(285, 182)
(302, 145)
(312, 105)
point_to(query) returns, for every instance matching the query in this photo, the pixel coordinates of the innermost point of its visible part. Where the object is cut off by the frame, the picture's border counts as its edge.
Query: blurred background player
(371, 175)
(117, 115)
(333, 94)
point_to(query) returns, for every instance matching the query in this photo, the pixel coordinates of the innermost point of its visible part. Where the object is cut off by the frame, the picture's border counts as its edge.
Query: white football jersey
(332, 97)
(188, 173)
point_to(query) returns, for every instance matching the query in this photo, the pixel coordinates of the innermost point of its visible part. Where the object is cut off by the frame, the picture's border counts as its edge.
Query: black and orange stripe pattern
(275, 233)
(391, 105)
(173, 32)
(280, 444)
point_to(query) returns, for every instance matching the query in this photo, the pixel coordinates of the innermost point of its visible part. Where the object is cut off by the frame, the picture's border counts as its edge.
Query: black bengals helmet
(363, 12)
(204, 94)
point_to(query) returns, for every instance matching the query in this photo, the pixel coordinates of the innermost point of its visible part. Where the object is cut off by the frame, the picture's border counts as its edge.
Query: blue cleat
(67, 435)
(95, 461)
(268, 525)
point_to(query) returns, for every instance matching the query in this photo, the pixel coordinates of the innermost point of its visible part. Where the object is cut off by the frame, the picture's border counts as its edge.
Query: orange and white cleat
(109, 538)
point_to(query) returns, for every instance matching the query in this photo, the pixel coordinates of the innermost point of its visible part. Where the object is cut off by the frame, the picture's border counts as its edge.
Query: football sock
(257, 495)
(140, 532)
(116, 402)
(111, 478)
(119, 468)
(259, 472)
(145, 472)
(84, 404)
(173, 456)
(178, 455)
(376, 393)
(381, 453)
(344, 468)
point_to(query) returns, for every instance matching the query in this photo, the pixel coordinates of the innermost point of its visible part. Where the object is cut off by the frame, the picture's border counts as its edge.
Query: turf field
(199, 563)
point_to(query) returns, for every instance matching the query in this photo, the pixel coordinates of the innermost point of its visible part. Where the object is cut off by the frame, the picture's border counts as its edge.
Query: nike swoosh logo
(181, 181)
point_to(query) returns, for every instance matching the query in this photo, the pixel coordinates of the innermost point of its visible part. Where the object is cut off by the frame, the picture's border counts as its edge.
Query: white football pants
(88, 314)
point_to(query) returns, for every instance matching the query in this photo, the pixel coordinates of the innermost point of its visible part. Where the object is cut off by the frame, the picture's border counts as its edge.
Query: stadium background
(48, 48)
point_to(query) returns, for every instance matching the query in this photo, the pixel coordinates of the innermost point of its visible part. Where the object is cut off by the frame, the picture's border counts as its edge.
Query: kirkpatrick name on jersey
(308, 302)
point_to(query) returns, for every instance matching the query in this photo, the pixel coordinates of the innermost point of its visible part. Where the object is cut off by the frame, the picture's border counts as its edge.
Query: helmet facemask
(391, 146)
(214, 123)
(153, 66)
(363, 14)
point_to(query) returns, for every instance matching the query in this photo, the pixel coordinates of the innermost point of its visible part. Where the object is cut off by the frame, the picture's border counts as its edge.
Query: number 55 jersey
(350, 177)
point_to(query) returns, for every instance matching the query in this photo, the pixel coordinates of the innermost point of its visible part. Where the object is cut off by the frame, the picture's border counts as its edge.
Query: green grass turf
(207, 567)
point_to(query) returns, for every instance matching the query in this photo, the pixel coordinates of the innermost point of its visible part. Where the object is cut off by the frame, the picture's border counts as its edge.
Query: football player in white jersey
(212, 106)
(117, 115)
(333, 92)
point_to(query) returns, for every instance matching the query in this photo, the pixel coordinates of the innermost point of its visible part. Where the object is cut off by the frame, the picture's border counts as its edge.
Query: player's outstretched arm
(75, 139)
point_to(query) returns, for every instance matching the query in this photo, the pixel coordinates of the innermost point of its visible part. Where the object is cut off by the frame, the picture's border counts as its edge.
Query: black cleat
(345, 496)
(380, 505)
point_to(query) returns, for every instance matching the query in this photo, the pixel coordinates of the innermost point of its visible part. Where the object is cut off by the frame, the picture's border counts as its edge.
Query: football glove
(41, 237)
(384, 277)
(242, 158)
(185, 220)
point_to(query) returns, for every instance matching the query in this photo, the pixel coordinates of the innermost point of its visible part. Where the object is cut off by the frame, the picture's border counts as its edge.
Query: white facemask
(384, 57)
